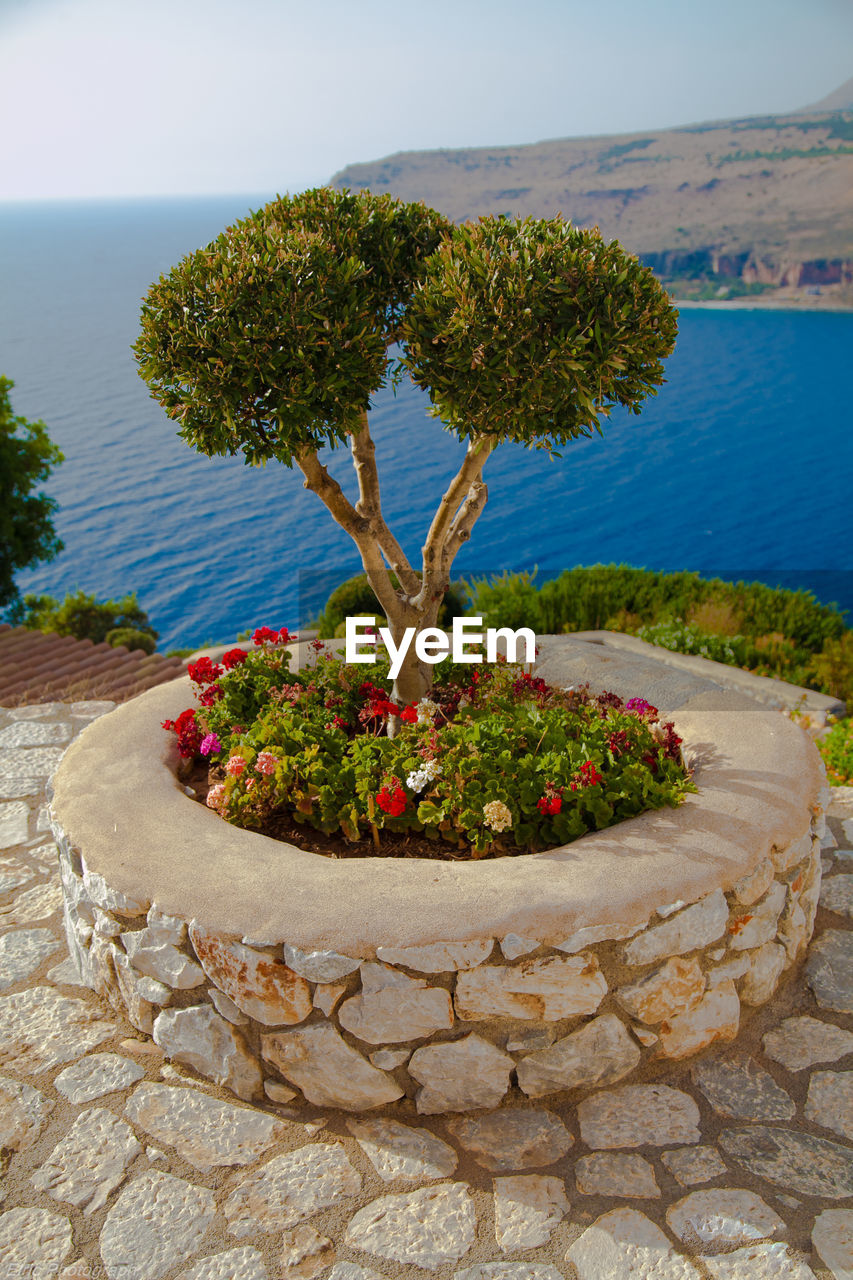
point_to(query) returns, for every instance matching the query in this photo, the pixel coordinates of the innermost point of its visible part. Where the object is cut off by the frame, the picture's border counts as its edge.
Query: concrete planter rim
(117, 797)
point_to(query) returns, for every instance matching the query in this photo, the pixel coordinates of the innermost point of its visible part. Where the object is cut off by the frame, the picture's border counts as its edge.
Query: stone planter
(354, 983)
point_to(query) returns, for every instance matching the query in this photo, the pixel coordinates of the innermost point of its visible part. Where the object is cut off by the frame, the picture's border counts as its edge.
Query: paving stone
(39, 1029)
(544, 990)
(352, 1271)
(619, 1174)
(797, 1162)
(439, 957)
(528, 1209)
(235, 1264)
(470, 1074)
(95, 1075)
(722, 1217)
(90, 1161)
(34, 1243)
(14, 824)
(23, 1114)
(260, 986)
(32, 734)
(22, 952)
(638, 1114)
(600, 1052)
(79, 1270)
(290, 1188)
(758, 1262)
(507, 1271)
(689, 1165)
(832, 1237)
(675, 987)
(304, 1253)
(510, 1140)
(329, 1072)
(836, 894)
(428, 1227)
(397, 1013)
(801, 1042)
(830, 1101)
(697, 926)
(829, 970)
(157, 1223)
(715, 1017)
(762, 976)
(14, 873)
(625, 1245)
(207, 1133)
(161, 960)
(13, 787)
(200, 1038)
(33, 905)
(398, 1151)
(741, 1088)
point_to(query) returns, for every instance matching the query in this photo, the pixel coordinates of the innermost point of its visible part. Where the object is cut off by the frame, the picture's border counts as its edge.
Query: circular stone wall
(352, 983)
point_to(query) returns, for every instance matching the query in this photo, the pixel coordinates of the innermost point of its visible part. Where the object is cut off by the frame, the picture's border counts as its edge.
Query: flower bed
(356, 982)
(493, 761)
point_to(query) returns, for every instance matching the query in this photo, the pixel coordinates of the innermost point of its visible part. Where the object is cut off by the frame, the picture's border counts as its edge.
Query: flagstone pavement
(117, 1165)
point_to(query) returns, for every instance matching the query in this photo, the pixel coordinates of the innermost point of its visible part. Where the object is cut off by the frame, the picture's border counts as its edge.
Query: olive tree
(271, 341)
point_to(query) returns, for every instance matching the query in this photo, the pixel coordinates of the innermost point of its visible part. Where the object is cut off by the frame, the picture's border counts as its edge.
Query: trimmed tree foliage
(272, 340)
(27, 457)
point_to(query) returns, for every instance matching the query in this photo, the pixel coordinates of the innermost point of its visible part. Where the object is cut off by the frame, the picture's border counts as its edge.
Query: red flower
(234, 658)
(212, 694)
(409, 714)
(392, 798)
(204, 671)
(188, 732)
(586, 776)
(264, 635)
(549, 804)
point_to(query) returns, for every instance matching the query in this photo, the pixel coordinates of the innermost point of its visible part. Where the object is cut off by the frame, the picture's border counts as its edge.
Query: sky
(125, 98)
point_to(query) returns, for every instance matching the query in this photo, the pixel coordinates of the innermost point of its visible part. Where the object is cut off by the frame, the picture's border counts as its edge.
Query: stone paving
(116, 1164)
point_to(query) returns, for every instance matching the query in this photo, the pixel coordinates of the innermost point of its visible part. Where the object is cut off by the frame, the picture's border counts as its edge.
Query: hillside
(730, 208)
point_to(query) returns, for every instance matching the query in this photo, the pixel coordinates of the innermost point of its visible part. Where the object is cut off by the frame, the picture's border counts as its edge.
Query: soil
(392, 844)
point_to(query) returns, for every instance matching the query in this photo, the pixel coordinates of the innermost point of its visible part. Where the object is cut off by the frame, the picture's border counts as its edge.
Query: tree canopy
(27, 457)
(271, 341)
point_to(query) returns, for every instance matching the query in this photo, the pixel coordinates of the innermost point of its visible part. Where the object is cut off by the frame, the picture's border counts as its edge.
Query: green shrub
(82, 616)
(837, 751)
(355, 596)
(131, 639)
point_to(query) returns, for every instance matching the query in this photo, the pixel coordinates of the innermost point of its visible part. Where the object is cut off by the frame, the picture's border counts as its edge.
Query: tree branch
(318, 480)
(370, 506)
(471, 470)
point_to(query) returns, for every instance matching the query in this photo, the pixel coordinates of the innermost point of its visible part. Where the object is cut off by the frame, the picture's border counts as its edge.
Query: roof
(36, 666)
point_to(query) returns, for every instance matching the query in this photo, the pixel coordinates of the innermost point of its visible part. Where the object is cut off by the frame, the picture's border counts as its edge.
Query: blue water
(740, 467)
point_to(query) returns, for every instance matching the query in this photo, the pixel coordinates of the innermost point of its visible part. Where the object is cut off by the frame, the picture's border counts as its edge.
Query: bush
(131, 639)
(355, 596)
(836, 747)
(494, 761)
(82, 616)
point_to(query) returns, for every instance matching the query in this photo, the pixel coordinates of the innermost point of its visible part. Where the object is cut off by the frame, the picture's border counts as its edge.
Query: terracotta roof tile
(39, 667)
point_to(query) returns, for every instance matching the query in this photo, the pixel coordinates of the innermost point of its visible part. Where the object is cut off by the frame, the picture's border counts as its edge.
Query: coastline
(758, 304)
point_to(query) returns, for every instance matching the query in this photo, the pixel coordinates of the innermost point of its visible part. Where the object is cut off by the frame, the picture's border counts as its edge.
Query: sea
(741, 467)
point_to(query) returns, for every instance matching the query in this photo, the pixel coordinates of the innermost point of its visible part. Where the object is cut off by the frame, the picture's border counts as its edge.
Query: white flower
(417, 780)
(432, 769)
(426, 709)
(497, 815)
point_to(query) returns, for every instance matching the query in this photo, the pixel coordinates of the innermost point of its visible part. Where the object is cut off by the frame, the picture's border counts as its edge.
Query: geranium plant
(271, 341)
(493, 761)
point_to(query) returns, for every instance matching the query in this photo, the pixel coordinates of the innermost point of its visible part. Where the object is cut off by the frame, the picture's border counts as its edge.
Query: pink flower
(266, 762)
(215, 796)
(210, 744)
(235, 766)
